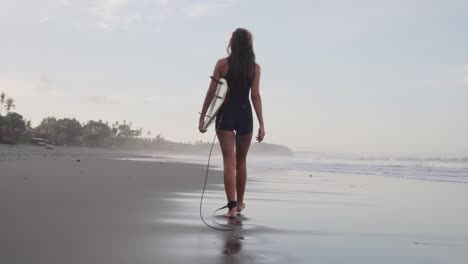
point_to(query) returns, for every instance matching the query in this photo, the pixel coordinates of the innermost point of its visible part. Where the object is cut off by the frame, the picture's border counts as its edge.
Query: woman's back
(239, 90)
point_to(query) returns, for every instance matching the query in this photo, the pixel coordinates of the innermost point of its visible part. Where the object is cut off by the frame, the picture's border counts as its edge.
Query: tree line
(14, 128)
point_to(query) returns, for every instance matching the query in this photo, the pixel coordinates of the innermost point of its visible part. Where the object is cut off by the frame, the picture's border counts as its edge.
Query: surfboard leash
(228, 227)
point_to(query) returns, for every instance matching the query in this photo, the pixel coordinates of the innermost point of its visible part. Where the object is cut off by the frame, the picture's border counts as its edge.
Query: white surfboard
(216, 103)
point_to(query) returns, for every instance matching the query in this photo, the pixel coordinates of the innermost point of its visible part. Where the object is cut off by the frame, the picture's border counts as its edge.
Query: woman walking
(234, 122)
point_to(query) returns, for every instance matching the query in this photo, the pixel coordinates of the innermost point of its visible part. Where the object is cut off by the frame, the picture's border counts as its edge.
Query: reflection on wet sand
(312, 221)
(232, 240)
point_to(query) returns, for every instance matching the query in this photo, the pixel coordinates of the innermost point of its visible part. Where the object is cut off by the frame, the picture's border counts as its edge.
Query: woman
(234, 122)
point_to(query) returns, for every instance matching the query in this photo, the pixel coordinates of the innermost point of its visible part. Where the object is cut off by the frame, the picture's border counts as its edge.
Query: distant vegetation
(15, 129)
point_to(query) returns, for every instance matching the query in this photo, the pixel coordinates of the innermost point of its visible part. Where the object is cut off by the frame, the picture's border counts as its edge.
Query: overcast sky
(386, 77)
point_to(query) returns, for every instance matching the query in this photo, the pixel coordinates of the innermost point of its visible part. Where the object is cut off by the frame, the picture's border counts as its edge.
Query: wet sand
(76, 205)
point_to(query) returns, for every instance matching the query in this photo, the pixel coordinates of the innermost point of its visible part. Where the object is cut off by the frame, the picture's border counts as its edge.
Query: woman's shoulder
(222, 66)
(222, 61)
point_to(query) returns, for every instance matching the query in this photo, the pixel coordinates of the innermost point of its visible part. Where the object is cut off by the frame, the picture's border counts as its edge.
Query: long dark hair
(241, 57)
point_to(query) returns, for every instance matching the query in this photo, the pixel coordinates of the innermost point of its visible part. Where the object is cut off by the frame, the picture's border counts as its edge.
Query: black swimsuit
(236, 113)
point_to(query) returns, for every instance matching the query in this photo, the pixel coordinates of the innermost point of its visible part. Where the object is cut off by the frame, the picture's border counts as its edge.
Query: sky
(363, 76)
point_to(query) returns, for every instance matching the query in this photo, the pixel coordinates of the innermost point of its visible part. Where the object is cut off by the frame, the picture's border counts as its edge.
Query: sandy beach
(79, 205)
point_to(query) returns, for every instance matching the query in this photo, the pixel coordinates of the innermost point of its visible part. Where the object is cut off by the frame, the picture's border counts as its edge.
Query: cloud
(206, 8)
(111, 4)
(63, 3)
(15, 86)
(108, 9)
(41, 85)
(428, 77)
(164, 3)
(108, 15)
(123, 99)
(458, 69)
(94, 99)
(37, 96)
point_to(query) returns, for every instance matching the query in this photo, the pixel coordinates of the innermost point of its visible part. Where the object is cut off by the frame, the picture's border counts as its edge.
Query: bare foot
(232, 213)
(240, 206)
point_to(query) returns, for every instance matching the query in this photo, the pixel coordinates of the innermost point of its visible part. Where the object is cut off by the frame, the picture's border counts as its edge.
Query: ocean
(424, 168)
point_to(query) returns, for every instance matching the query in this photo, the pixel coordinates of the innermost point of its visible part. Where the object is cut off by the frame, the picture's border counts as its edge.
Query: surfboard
(218, 100)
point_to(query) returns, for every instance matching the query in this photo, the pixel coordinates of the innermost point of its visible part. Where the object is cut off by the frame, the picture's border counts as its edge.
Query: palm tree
(10, 104)
(2, 101)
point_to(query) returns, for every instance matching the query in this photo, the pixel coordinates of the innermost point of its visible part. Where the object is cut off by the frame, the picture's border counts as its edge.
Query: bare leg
(227, 143)
(242, 147)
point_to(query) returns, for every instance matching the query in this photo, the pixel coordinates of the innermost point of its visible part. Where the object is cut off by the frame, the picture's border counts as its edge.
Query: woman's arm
(209, 95)
(257, 103)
